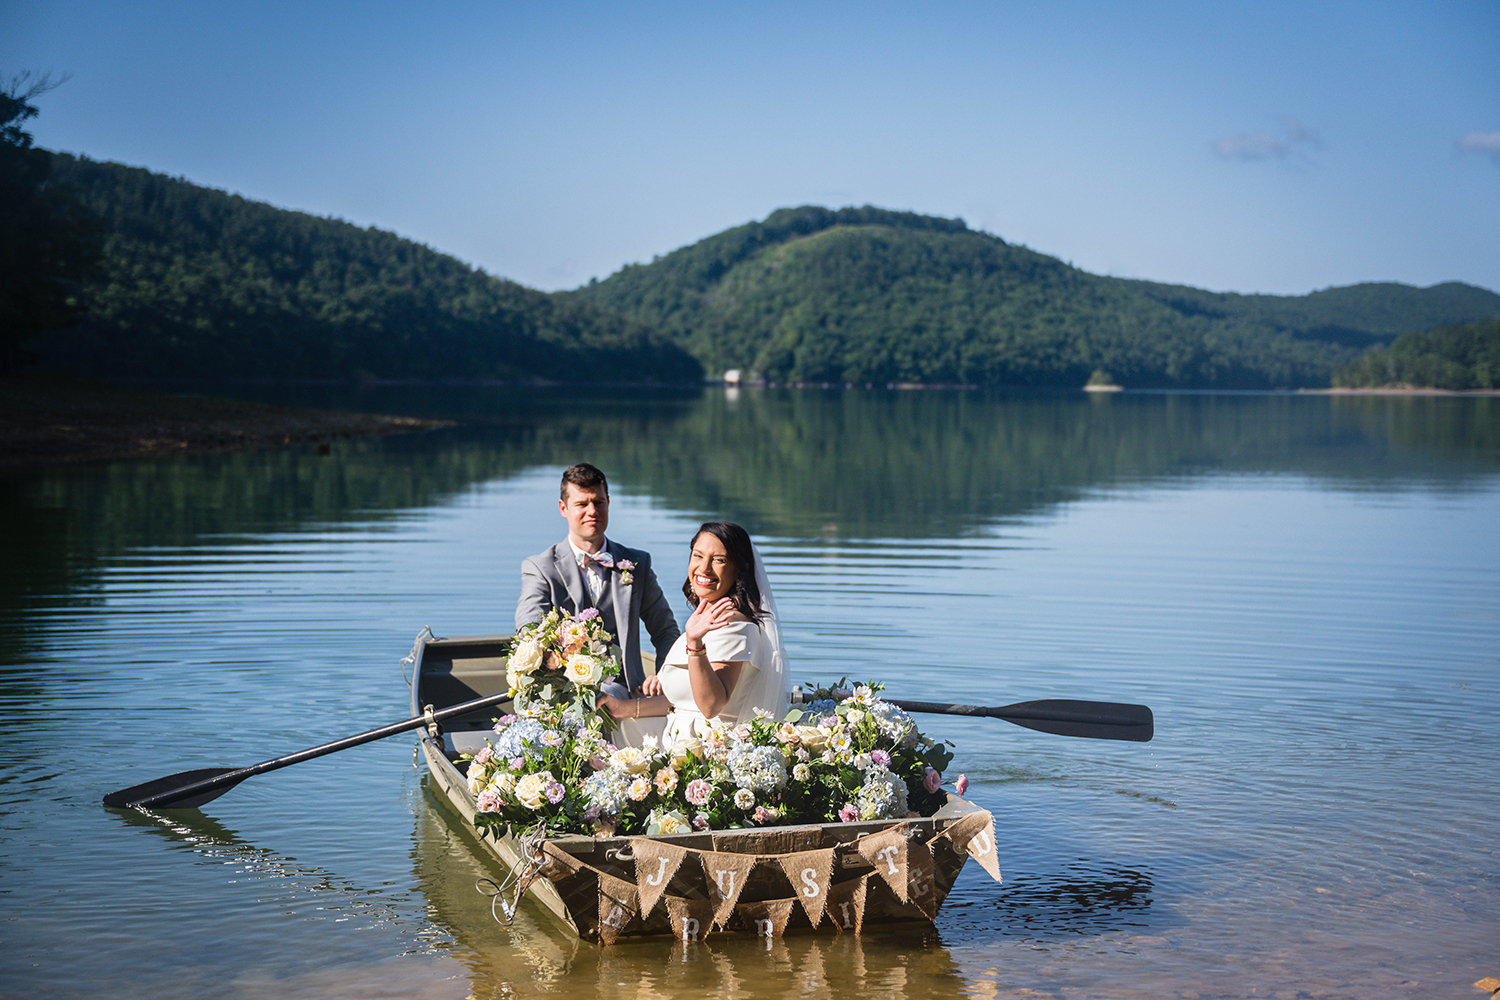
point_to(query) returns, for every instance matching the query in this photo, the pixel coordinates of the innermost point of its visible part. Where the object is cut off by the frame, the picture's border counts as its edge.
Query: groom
(586, 570)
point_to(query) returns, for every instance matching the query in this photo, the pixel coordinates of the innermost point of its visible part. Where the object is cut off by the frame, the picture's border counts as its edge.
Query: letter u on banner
(726, 875)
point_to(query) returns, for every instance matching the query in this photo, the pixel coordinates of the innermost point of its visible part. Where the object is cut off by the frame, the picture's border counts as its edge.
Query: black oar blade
(127, 797)
(1097, 720)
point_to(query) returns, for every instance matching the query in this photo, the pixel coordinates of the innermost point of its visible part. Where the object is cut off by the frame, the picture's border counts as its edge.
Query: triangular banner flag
(846, 904)
(617, 904)
(691, 918)
(975, 833)
(726, 874)
(886, 850)
(559, 864)
(767, 918)
(921, 878)
(655, 864)
(809, 873)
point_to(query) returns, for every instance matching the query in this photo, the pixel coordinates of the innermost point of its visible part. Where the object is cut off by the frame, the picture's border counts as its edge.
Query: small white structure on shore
(732, 376)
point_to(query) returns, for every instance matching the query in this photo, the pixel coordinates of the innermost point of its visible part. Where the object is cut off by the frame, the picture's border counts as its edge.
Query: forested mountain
(198, 282)
(867, 295)
(1462, 356)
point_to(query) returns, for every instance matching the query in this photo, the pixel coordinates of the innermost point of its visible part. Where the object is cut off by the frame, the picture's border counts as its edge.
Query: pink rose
(962, 783)
(932, 780)
(849, 813)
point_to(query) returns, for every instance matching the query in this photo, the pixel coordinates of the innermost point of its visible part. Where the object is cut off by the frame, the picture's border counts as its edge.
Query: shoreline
(46, 422)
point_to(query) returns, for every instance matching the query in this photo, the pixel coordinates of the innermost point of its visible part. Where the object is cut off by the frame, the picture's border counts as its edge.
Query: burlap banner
(886, 850)
(618, 901)
(692, 919)
(766, 917)
(975, 833)
(809, 872)
(655, 864)
(727, 875)
(846, 904)
(559, 864)
(921, 878)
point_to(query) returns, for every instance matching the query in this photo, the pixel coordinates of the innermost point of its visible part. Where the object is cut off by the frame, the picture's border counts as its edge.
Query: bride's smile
(709, 568)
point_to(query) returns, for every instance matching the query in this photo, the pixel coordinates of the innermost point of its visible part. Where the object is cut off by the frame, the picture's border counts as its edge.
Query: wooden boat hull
(450, 671)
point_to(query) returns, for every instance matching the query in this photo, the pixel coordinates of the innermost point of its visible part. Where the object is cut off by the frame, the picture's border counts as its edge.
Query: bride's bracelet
(692, 649)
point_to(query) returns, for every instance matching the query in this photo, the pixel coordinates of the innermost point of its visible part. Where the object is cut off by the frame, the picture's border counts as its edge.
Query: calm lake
(1305, 589)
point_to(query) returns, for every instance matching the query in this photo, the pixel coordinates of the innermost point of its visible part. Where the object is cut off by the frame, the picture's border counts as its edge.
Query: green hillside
(198, 282)
(1461, 357)
(867, 295)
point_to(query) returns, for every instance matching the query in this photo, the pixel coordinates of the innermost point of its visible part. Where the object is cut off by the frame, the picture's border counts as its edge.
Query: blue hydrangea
(605, 791)
(518, 737)
(882, 796)
(760, 769)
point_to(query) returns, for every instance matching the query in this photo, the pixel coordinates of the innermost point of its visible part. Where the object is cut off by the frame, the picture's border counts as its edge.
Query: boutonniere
(626, 568)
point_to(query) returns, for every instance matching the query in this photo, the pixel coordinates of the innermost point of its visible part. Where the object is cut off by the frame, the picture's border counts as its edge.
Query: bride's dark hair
(745, 592)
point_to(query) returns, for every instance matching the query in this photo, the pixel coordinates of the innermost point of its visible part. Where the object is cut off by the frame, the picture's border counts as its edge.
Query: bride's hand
(651, 687)
(614, 706)
(708, 617)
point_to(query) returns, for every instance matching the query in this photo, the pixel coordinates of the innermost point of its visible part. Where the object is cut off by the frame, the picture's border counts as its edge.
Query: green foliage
(1461, 356)
(870, 296)
(198, 282)
(48, 242)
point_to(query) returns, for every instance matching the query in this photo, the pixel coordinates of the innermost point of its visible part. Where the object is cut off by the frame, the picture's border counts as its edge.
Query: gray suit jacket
(552, 579)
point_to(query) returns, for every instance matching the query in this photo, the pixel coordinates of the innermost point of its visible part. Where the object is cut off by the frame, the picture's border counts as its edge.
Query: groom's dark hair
(746, 592)
(585, 477)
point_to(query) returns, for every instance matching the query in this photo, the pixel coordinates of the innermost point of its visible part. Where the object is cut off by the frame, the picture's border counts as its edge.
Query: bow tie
(602, 558)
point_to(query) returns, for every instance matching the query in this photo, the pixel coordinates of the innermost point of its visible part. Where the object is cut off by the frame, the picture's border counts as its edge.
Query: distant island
(193, 282)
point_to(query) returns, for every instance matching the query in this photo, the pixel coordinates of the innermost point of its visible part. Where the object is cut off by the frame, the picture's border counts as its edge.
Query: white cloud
(1251, 146)
(1487, 143)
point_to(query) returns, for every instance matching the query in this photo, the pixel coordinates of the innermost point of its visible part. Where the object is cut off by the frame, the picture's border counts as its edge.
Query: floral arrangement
(848, 756)
(559, 663)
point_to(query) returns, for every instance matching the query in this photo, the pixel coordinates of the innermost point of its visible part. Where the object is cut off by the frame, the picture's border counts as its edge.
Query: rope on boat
(534, 857)
(410, 659)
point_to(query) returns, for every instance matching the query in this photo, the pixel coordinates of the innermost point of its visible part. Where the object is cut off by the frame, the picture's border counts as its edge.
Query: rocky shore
(45, 422)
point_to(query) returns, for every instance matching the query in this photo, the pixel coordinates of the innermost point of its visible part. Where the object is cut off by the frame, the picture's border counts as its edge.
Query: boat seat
(465, 742)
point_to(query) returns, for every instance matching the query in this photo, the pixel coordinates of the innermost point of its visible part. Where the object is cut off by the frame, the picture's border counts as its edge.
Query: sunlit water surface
(1314, 618)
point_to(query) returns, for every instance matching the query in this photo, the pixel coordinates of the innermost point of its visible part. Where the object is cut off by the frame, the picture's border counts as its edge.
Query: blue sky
(1253, 147)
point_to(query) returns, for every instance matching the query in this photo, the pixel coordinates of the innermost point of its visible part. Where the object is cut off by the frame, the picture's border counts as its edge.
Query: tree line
(118, 271)
(1463, 356)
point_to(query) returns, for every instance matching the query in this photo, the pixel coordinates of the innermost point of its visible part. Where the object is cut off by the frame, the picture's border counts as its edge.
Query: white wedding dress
(761, 686)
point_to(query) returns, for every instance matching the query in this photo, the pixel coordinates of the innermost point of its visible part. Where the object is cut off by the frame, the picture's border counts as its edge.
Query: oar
(188, 789)
(1095, 720)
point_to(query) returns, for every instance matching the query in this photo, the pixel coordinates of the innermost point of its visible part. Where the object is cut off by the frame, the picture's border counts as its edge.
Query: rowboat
(838, 875)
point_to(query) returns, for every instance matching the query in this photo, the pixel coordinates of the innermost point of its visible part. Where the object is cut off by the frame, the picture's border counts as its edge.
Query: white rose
(583, 669)
(531, 790)
(812, 737)
(685, 749)
(672, 822)
(526, 657)
(631, 760)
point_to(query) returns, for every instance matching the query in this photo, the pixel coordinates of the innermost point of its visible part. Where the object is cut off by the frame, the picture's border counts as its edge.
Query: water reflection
(844, 464)
(536, 955)
(303, 886)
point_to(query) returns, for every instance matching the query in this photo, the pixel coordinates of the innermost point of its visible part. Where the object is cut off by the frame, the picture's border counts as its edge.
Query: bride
(728, 664)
